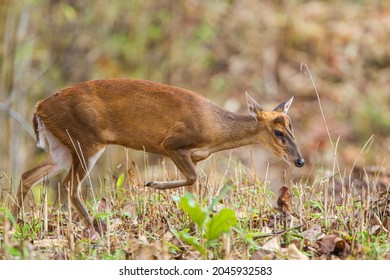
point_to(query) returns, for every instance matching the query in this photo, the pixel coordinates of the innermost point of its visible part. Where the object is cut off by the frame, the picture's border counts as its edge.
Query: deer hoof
(154, 185)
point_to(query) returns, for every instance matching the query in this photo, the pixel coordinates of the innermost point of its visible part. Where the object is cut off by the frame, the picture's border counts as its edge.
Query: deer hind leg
(182, 159)
(58, 159)
(29, 179)
(50, 166)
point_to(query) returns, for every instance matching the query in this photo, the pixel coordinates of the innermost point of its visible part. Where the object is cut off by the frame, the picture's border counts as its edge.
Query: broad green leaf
(189, 205)
(220, 223)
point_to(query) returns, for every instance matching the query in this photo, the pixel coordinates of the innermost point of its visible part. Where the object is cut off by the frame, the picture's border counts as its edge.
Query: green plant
(374, 246)
(25, 231)
(210, 226)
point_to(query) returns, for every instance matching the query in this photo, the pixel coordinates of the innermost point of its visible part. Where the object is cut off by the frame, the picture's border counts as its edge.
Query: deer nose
(300, 162)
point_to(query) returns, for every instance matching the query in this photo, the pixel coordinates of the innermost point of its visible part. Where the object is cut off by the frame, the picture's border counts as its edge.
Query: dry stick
(45, 216)
(17, 117)
(306, 71)
(69, 226)
(369, 142)
(265, 184)
(59, 208)
(277, 233)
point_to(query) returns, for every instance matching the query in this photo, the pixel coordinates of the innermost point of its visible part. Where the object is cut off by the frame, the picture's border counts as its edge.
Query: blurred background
(220, 49)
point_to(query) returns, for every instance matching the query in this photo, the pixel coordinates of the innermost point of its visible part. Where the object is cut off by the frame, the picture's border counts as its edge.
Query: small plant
(210, 226)
(374, 246)
(25, 231)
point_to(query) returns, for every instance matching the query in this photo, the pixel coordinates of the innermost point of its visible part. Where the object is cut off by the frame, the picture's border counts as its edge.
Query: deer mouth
(298, 163)
(285, 158)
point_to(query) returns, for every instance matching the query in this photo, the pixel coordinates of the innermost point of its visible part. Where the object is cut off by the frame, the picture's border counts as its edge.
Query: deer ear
(284, 106)
(253, 107)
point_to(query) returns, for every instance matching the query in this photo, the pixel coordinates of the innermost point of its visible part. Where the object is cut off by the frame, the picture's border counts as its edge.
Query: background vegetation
(220, 49)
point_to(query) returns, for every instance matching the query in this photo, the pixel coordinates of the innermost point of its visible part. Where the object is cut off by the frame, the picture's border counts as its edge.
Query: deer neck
(236, 130)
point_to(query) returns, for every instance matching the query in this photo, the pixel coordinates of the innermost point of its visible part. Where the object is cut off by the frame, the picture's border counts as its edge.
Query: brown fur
(79, 121)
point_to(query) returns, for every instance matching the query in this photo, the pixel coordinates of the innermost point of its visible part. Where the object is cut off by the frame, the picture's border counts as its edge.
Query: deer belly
(201, 154)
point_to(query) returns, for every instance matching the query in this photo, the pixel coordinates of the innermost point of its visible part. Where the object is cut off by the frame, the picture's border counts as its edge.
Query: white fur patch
(41, 134)
(93, 159)
(60, 154)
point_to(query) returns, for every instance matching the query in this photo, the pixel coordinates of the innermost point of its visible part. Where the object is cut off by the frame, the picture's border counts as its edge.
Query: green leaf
(191, 240)
(216, 199)
(120, 180)
(220, 223)
(103, 216)
(189, 205)
(8, 213)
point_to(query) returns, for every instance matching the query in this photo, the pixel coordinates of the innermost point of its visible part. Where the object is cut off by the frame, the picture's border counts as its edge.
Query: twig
(369, 141)
(18, 117)
(306, 71)
(276, 233)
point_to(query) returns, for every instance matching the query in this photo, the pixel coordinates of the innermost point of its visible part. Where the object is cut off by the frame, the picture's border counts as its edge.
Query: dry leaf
(284, 200)
(142, 249)
(375, 229)
(312, 233)
(191, 255)
(273, 244)
(263, 255)
(100, 226)
(327, 244)
(93, 234)
(103, 206)
(378, 225)
(60, 256)
(131, 174)
(294, 254)
(334, 225)
(332, 244)
(129, 210)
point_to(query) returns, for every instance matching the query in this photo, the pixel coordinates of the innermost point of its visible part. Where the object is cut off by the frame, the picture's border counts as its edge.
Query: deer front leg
(182, 159)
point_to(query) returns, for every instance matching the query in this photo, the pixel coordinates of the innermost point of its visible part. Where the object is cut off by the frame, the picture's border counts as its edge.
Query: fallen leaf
(129, 211)
(327, 244)
(375, 229)
(191, 255)
(263, 255)
(284, 200)
(273, 244)
(131, 174)
(312, 233)
(294, 254)
(103, 206)
(332, 244)
(100, 226)
(378, 225)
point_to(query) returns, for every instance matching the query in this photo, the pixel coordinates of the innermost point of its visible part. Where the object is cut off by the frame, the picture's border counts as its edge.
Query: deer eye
(278, 133)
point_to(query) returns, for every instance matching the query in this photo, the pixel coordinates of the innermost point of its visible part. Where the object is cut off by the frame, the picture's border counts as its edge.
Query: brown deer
(77, 123)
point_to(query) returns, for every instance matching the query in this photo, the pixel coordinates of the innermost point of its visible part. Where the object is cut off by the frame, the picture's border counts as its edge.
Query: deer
(76, 124)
